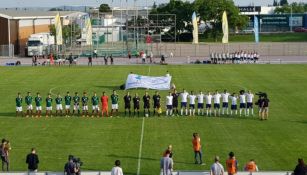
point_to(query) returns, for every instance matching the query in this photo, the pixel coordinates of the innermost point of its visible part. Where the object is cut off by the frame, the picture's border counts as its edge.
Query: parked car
(300, 29)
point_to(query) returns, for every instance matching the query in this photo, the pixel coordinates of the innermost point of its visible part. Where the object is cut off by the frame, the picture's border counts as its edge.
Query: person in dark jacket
(301, 168)
(32, 161)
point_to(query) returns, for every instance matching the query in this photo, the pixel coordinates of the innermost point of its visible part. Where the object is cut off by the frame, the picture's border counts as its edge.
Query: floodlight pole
(291, 21)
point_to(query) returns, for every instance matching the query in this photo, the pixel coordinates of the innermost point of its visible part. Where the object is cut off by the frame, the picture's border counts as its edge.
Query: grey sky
(52, 3)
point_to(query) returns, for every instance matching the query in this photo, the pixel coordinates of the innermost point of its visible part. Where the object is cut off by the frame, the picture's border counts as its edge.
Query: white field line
(140, 150)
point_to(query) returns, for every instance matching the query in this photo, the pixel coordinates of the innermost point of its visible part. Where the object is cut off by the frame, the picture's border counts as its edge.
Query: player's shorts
(29, 107)
(76, 107)
(19, 109)
(225, 105)
(59, 107)
(208, 106)
(49, 108)
(216, 106)
(95, 107)
(183, 104)
(105, 108)
(242, 105)
(114, 106)
(127, 106)
(38, 108)
(249, 105)
(192, 106)
(146, 106)
(200, 106)
(67, 107)
(175, 104)
(157, 105)
(169, 107)
(136, 107)
(85, 108)
(233, 107)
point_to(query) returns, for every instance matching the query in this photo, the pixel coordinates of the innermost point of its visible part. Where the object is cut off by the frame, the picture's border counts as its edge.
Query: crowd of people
(238, 57)
(231, 163)
(209, 104)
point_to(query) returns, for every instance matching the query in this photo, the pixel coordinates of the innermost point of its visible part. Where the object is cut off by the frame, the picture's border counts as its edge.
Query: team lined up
(207, 104)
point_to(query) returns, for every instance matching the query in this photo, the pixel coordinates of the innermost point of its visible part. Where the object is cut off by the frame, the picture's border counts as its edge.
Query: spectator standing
(70, 167)
(251, 166)
(301, 168)
(5, 148)
(217, 168)
(232, 164)
(32, 161)
(166, 164)
(117, 170)
(111, 59)
(90, 61)
(197, 148)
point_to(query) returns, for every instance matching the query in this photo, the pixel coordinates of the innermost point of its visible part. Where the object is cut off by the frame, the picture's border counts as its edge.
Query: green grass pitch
(275, 144)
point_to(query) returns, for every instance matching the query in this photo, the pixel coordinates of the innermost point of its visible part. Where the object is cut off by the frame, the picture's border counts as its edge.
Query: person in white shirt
(192, 98)
(242, 98)
(184, 100)
(249, 100)
(225, 98)
(217, 168)
(217, 101)
(117, 170)
(169, 104)
(233, 99)
(200, 105)
(208, 103)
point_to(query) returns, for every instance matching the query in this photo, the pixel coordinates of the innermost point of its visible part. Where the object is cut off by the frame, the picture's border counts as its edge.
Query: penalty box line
(140, 149)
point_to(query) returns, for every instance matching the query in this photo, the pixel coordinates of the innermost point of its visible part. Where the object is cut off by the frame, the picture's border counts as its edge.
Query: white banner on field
(147, 82)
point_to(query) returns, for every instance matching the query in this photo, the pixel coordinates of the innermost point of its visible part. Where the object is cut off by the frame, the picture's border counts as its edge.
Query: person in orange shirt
(232, 164)
(197, 148)
(104, 104)
(251, 166)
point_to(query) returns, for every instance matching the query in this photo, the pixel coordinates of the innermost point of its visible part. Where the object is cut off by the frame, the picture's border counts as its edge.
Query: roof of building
(32, 14)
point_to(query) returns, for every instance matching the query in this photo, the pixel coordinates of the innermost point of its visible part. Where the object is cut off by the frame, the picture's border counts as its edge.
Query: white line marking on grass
(50, 91)
(148, 70)
(140, 150)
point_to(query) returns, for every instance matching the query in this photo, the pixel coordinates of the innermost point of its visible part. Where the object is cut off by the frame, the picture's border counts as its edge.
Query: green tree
(283, 2)
(69, 32)
(296, 8)
(275, 3)
(104, 8)
(211, 11)
(182, 10)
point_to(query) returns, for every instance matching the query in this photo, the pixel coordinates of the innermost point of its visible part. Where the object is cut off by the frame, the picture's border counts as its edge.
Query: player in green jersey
(114, 100)
(95, 107)
(84, 100)
(67, 99)
(18, 101)
(59, 107)
(38, 103)
(76, 100)
(28, 100)
(49, 105)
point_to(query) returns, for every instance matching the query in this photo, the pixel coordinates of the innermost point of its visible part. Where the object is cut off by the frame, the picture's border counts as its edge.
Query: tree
(182, 10)
(283, 2)
(275, 3)
(104, 8)
(69, 32)
(296, 8)
(211, 12)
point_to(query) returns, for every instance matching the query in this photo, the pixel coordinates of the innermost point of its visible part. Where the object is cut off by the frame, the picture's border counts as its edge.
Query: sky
(53, 3)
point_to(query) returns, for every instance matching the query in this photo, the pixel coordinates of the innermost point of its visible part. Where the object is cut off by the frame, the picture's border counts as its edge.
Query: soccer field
(274, 144)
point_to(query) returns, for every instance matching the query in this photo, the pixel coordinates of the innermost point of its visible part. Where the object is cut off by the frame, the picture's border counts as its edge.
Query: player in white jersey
(184, 100)
(225, 98)
(208, 103)
(242, 98)
(192, 98)
(200, 105)
(249, 99)
(217, 101)
(169, 104)
(233, 99)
